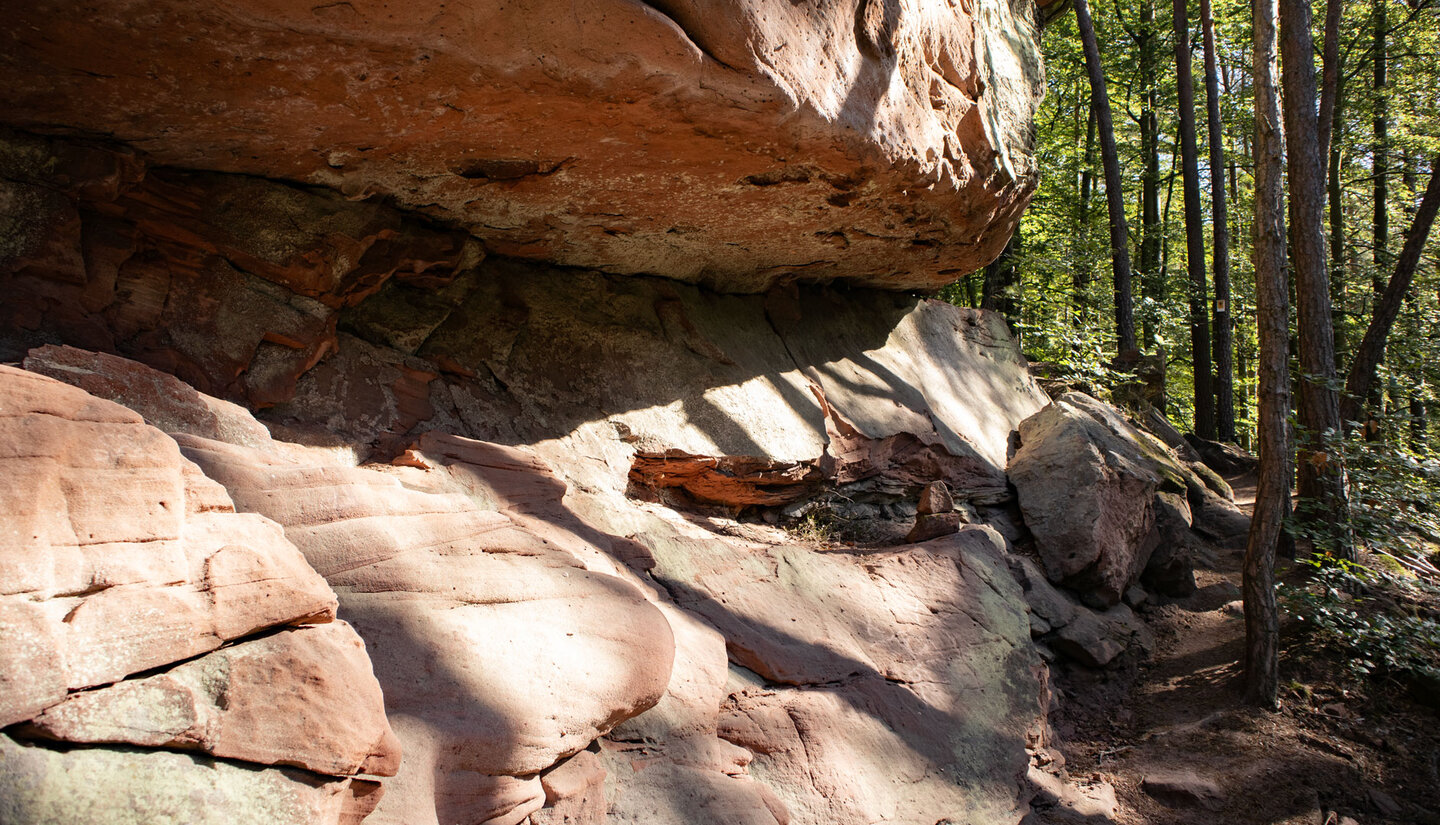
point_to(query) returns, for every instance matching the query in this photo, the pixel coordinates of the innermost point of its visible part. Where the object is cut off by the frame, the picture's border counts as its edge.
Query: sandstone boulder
(1096, 639)
(304, 697)
(738, 144)
(464, 563)
(121, 559)
(118, 555)
(1087, 495)
(164, 401)
(498, 652)
(98, 786)
(848, 720)
(574, 792)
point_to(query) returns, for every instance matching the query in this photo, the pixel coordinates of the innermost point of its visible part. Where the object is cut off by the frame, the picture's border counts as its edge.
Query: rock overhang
(738, 144)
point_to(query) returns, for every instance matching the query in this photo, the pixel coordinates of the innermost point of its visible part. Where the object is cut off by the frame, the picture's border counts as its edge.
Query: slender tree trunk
(1081, 275)
(1329, 120)
(1087, 173)
(1114, 195)
(1152, 283)
(1002, 284)
(1322, 477)
(1335, 195)
(1380, 237)
(1330, 82)
(1194, 230)
(1272, 491)
(1372, 347)
(1380, 152)
(1220, 226)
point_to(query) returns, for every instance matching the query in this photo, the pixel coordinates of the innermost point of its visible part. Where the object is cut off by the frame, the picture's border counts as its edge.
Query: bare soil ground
(1337, 749)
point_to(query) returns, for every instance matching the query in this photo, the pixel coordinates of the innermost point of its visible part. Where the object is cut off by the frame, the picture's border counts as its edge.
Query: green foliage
(1371, 638)
(1065, 293)
(1394, 492)
(820, 526)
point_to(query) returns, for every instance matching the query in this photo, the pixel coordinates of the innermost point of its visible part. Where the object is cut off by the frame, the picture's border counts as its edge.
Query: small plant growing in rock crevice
(819, 526)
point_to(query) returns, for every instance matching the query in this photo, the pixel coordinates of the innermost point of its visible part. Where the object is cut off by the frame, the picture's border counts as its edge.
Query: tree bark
(1329, 120)
(1335, 194)
(1330, 79)
(1194, 230)
(1002, 277)
(1152, 282)
(1380, 153)
(1114, 195)
(1220, 228)
(1272, 490)
(1080, 275)
(1380, 226)
(1372, 347)
(1322, 477)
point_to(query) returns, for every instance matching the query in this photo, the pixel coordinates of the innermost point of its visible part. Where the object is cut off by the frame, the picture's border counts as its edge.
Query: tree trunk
(1329, 120)
(1272, 489)
(1220, 225)
(1330, 83)
(1322, 477)
(1380, 237)
(1194, 230)
(1152, 283)
(1080, 275)
(1380, 154)
(1114, 195)
(1335, 195)
(1087, 173)
(1002, 284)
(1372, 347)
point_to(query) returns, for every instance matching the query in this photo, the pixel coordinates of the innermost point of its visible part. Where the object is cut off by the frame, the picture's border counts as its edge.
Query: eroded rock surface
(1108, 502)
(305, 698)
(736, 144)
(450, 439)
(40, 786)
(121, 559)
(119, 556)
(1087, 495)
(475, 575)
(499, 653)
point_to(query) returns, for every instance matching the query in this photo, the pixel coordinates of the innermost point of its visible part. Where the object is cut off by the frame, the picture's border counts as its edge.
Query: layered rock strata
(122, 560)
(454, 541)
(735, 144)
(521, 480)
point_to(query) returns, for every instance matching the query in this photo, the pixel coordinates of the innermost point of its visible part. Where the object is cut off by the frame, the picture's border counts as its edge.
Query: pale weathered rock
(736, 144)
(498, 653)
(933, 526)
(1063, 801)
(1170, 570)
(452, 562)
(1053, 608)
(304, 697)
(874, 722)
(1089, 640)
(662, 792)
(1183, 788)
(1087, 496)
(574, 792)
(99, 786)
(935, 499)
(118, 556)
(164, 401)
